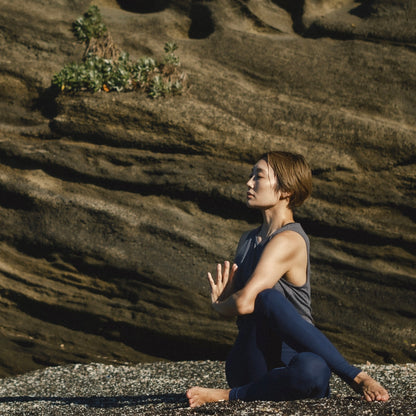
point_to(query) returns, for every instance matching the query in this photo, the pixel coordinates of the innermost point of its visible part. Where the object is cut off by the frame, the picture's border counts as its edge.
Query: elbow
(244, 306)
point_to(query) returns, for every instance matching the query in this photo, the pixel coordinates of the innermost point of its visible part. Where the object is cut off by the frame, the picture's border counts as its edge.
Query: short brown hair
(293, 175)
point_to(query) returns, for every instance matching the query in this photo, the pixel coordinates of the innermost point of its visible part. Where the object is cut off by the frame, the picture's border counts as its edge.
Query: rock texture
(114, 206)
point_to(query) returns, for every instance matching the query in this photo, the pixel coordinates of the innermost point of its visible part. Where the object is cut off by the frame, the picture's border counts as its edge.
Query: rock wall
(114, 206)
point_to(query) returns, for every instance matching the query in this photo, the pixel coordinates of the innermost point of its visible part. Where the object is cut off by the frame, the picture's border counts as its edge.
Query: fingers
(211, 280)
(219, 274)
(222, 276)
(214, 288)
(233, 270)
(219, 281)
(226, 271)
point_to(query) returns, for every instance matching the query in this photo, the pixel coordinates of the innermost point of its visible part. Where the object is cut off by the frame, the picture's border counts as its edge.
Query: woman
(278, 354)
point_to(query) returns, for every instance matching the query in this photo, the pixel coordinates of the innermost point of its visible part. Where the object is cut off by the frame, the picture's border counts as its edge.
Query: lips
(249, 195)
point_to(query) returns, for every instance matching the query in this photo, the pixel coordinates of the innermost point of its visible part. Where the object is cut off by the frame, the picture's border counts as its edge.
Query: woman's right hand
(223, 281)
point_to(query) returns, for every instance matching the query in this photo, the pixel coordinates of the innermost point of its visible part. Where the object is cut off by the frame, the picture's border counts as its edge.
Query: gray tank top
(248, 255)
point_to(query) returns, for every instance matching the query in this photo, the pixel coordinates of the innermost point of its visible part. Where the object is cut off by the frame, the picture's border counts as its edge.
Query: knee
(266, 298)
(312, 374)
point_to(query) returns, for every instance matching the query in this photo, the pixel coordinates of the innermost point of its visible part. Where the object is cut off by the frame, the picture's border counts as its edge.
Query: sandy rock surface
(114, 206)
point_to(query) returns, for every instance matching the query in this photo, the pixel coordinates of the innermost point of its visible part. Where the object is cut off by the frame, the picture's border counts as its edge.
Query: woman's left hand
(224, 281)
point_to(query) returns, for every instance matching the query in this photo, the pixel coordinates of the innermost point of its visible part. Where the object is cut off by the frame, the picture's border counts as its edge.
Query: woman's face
(262, 187)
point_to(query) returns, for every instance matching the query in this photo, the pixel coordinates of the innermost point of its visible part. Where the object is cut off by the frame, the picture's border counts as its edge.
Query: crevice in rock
(295, 8)
(46, 102)
(143, 6)
(60, 129)
(11, 199)
(319, 229)
(364, 10)
(409, 212)
(386, 355)
(202, 23)
(360, 275)
(406, 313)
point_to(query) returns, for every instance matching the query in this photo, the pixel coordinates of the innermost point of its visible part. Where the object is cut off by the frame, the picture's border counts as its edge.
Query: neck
(275, 219)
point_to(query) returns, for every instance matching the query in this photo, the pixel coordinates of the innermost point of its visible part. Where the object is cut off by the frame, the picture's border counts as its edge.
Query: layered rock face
(114, 206)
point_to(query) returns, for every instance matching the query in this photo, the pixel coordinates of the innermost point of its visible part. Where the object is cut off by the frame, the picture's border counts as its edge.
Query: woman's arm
(224, 286)
(286, 252)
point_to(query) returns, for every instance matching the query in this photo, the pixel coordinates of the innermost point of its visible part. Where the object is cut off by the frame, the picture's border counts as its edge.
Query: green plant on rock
(170, 57)
(142, 71)
(105, 68)
(89, 26)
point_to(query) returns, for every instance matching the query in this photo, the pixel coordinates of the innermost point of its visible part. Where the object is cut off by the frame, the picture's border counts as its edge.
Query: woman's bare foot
(370, 388)
(198, 396)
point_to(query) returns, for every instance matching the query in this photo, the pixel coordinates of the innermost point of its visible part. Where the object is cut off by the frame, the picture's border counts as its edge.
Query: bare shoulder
(287, 251)
(288, 237)
(287, 242)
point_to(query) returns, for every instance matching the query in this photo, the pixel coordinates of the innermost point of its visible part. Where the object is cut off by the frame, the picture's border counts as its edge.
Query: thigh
(270, 344)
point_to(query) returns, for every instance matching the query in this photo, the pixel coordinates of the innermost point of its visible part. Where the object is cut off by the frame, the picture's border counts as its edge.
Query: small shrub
(89, 26)
(170, 57)
(105, 68)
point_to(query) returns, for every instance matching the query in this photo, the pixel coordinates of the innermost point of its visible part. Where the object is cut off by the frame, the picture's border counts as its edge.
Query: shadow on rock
(364, 10)
(46, 102)
(144, 6)
(202, 23)
(295, 9)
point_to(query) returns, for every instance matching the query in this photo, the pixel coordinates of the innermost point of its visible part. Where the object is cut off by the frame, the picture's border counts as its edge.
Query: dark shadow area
(318, 229)
(202, 24)
(12, 200)
(315, 31)
(46, 102)
(407, 313)
(364, 10)
(142, 339)
(102, 401)
(386, 355)
(295, 9)
(144, 6)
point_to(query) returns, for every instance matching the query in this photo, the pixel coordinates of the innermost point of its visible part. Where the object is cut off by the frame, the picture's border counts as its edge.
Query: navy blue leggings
(278, 355)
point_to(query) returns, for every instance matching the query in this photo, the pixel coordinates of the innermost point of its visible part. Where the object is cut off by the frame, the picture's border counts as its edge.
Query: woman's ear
(285, 195)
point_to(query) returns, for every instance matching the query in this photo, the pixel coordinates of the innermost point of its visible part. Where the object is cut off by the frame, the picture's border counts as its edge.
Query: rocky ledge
(158, 389)
(114, 206)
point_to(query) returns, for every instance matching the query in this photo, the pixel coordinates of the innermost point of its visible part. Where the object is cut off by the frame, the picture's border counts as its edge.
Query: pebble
(159, 389)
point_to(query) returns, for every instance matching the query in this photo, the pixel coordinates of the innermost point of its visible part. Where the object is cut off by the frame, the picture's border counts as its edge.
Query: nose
(250, 182)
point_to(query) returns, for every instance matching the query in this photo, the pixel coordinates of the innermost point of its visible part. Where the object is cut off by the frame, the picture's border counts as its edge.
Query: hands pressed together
(221, 288)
